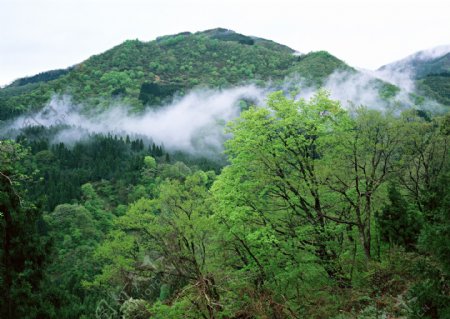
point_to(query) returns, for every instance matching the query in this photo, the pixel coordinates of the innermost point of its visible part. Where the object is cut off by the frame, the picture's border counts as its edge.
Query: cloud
(192, 123)
(401, 77)
(355, 88)
(432, 53)
(403, 72)
(195, 122)
(352, 89)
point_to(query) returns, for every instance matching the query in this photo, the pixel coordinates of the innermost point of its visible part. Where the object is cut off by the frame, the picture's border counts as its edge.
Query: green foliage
(154, 93)
(41, 77)
(388, 91)
(430, 295)
(228, 35)
(424, 67)
(432, 75)
(315, 67)
(66, 169)
(272, 181)
(399, 223)
(436, 86)
(135, 309)
(75, 232)
(23, 247)
(320, 212)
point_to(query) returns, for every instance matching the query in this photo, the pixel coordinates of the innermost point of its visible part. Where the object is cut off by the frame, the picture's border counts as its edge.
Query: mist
(429, 54)
(403, 72)
(193, 123)
(355, 89)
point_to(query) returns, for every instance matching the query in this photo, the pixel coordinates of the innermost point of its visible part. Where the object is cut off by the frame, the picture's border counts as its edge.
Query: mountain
(430, 70)
(142, 74)
(148, 73)
(423, 63)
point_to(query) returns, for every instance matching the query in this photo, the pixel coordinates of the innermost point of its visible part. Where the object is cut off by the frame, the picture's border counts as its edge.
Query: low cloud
(403, 78)
(195, 122)
(192, 123)
(432, 53)
(353, 89)
(403, 72)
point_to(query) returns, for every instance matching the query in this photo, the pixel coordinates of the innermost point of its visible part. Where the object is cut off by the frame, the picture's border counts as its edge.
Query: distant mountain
(143, 74)
(423, 63)
(431, 71)
(148, 73)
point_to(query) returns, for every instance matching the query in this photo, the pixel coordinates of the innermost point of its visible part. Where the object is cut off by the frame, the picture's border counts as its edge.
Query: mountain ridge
(429, 70)
(142, 74)
(147, 73)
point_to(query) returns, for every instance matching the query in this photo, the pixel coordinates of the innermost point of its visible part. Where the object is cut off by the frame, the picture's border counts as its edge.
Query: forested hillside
(312, 208)
(149, 73)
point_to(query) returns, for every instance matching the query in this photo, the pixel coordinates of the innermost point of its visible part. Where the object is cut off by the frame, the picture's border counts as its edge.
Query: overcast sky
(39, 35)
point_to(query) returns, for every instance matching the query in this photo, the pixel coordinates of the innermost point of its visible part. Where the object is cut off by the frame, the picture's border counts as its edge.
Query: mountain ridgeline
(430, 70)
(148, 73)
(142, 74)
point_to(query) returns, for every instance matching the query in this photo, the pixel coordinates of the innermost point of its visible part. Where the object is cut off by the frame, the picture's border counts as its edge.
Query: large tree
(273, 197)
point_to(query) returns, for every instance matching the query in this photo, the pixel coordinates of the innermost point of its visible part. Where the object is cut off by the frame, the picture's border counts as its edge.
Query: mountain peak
(217, 31)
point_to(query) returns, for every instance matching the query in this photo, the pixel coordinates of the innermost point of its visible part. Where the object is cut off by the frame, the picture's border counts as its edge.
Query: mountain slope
(430, 69)
(436, 86)
(148, 73)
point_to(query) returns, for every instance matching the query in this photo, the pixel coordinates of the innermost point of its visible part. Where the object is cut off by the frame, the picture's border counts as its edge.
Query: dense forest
(314, 210)
(321, 213)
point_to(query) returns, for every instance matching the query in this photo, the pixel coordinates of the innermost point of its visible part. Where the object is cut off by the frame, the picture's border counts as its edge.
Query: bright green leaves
(150, 163)
(162, 242)
(116, 79)
(271, 200)
(287, 226)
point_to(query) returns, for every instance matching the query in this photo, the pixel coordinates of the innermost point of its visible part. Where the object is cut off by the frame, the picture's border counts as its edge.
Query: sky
(40, 35)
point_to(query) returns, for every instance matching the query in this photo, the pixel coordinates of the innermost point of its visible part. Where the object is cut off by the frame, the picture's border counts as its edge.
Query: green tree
(360, 164)
(272, 198)
(399, 222)
(75, 234)
(23, 247)
(425, 159)
(164, 242)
